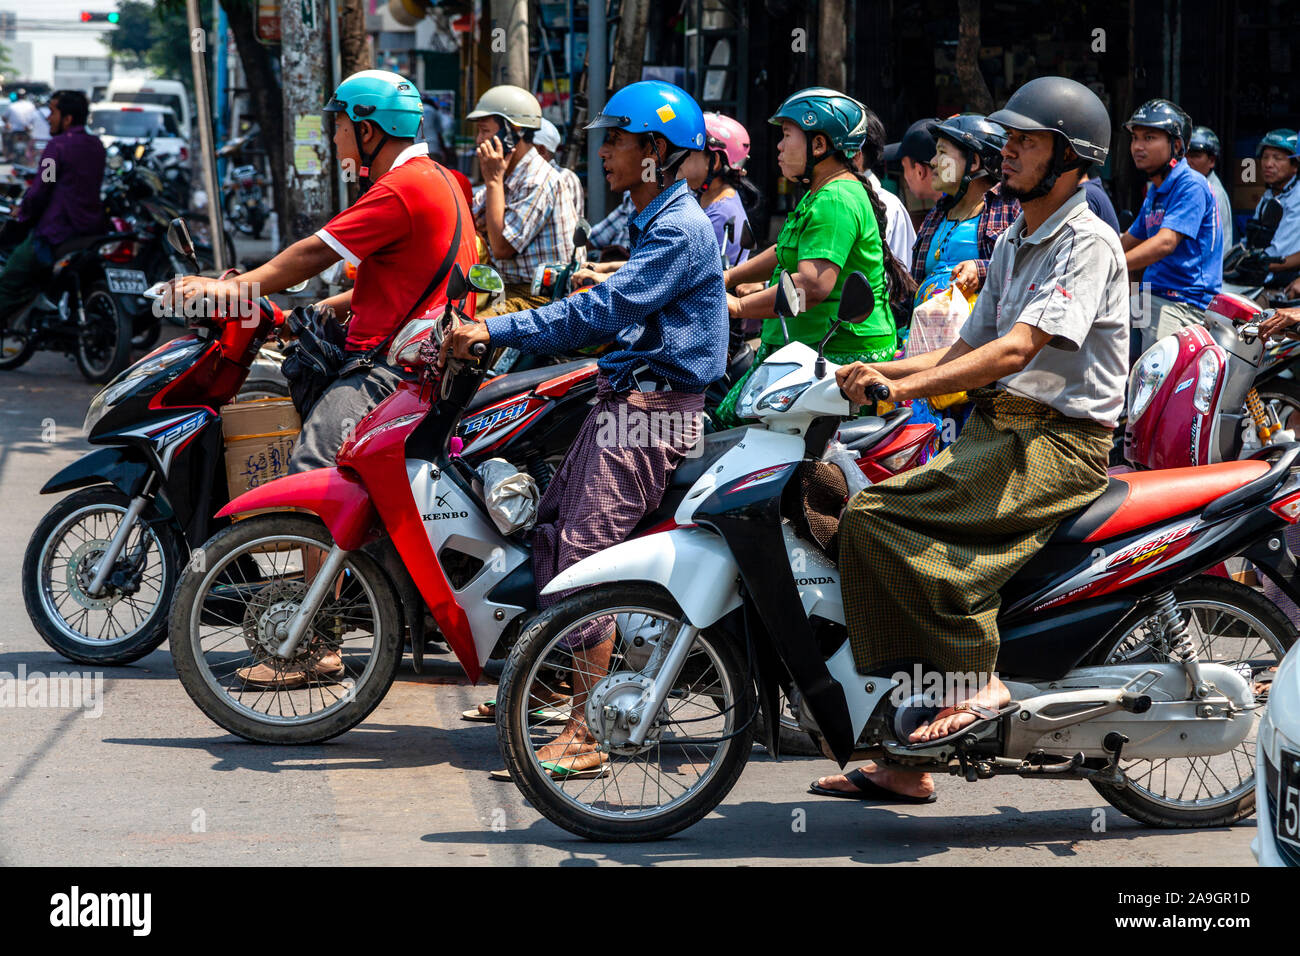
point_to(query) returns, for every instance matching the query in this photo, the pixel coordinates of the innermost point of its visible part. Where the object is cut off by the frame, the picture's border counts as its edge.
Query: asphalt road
(152, 781)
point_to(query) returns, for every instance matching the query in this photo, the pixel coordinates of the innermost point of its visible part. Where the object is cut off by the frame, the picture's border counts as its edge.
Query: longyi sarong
(924, 554)
(614, 474)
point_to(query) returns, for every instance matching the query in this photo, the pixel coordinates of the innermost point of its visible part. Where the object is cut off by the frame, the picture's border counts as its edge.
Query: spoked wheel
(127, 619)
(606, 787)
(16, 347)
(232, 610)
(1229, 624)
(104, 342)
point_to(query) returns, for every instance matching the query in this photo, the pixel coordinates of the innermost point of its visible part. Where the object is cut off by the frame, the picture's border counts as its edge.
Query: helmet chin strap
(709, 176)
(1054, 171)
(364, 181)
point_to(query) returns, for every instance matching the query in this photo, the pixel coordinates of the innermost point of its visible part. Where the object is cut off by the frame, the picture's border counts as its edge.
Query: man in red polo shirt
(398, 235)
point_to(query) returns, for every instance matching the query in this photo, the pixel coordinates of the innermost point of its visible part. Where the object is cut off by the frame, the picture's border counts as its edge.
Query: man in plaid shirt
(521, 204)
(611, 233)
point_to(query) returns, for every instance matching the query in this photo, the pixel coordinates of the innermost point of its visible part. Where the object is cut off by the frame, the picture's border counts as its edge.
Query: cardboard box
(260, 438)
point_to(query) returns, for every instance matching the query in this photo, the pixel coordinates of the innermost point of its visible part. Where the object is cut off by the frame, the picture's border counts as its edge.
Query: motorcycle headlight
(1149, 374)
(783, 398)
(135, 376)
(764, 377)
(1207, 377)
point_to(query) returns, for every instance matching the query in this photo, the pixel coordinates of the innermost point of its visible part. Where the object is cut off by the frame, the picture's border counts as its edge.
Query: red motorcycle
(290, 628)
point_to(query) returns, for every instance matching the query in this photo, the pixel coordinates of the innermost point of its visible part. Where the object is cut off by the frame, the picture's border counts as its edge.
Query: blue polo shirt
(1193, 272)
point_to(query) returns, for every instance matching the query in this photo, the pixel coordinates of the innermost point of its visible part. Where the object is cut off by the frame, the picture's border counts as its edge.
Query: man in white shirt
(900, 234)
(1202, 155)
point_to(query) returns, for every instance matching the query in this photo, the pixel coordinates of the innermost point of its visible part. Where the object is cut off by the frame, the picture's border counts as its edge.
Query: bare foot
(899, 781)
(574, 746)
(993, 695)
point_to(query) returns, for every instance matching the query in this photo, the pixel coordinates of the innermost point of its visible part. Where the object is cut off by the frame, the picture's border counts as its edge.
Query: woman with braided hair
(836, 229)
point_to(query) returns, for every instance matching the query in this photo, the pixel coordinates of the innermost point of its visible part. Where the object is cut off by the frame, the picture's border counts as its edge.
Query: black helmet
(974, 135)
(1056, 104)
(1166, 116)
(1203, 138)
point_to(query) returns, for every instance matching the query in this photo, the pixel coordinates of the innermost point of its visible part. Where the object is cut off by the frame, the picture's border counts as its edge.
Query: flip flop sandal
(559, 772)
(984, 715)
(868, 790)
(541, 716)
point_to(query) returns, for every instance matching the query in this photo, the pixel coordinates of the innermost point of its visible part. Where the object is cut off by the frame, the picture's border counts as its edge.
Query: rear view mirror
(457, 287)
(297, 287)
(729, 231)
(484, 278)
(857, 300)
(789, 302)
(581, 235)
(178, 235)
(747, 240)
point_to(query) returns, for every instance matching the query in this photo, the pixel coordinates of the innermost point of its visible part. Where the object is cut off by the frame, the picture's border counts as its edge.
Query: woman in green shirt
(836, 229)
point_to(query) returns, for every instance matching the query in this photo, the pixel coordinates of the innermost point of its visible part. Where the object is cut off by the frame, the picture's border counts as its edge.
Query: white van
(171, 93)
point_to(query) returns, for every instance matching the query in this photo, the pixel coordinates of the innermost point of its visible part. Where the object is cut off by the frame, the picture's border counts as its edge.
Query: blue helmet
(653, 106)
(389, 100)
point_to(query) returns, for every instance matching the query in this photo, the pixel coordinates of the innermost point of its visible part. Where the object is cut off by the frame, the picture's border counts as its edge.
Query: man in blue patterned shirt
(666, 313)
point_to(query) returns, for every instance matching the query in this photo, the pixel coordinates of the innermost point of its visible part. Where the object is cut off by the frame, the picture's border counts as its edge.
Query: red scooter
(290, 627)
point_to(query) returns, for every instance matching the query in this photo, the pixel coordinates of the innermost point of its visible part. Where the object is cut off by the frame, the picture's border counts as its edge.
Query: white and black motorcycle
(1130, 667)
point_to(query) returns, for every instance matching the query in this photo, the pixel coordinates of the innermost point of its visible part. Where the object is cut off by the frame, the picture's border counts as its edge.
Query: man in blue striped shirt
(665, 311)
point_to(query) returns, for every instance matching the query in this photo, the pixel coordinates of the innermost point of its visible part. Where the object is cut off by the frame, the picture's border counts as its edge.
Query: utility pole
(198, 46)
(832, 31)
(510, 42)
(304, 74)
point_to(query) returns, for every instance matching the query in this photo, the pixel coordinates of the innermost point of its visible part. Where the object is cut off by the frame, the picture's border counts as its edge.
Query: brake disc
(81, 572)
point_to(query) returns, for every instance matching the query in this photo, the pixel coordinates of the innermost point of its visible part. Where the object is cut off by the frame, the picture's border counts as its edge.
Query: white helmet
(511, 103)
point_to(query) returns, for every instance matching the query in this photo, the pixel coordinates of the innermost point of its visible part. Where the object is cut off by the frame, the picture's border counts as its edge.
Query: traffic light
(89, 17)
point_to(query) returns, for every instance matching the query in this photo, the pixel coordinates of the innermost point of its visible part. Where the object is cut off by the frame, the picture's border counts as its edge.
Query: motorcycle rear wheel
(713, 700)
(248, 578)
(16, 348)
(104, 344)
(1231, 624)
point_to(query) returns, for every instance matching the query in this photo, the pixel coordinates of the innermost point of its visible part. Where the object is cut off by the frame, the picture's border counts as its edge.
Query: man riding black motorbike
(62, 203)
(1044, 356)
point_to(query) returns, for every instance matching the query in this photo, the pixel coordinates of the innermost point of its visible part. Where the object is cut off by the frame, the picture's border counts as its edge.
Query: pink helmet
(726, 134)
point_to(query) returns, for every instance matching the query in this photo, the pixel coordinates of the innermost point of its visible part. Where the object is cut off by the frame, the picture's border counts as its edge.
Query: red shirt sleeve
(367, 225)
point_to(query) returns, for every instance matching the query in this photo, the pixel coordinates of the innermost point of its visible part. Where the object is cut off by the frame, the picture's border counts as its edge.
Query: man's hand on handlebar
(862, 383)
(225, 295)
(467, 341)
(1280, 322)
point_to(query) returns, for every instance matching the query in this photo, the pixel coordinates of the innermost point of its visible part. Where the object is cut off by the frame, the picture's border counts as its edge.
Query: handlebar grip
(878, 392)
(478, 349)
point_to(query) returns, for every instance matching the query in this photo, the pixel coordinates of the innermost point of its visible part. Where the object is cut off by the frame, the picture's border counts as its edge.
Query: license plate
(1288, 799)
(128, 281)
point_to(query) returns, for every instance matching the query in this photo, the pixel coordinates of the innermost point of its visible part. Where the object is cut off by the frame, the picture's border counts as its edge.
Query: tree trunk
(975, 92)
(354, 52)
(629, 43)
(264, 91)
(304, 66)
(832, 33)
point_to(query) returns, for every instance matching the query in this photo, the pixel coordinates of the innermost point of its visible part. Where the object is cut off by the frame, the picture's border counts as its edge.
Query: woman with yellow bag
(954, 245)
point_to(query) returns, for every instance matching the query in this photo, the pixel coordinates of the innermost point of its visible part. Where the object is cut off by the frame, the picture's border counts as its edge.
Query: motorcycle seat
(1142, 498)
(517, 383)
(77, 244)
(862, 433)
(714, 447)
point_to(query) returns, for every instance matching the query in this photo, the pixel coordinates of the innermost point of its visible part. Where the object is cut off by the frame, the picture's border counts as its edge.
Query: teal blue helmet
(837, 116)
(1283, 139)
(389, 100)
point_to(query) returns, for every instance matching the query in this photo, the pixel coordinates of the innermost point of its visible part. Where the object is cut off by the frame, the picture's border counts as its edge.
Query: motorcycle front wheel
(17, 346)
(1229, 624)
(127, 620)
(231, 610)
(694, 751)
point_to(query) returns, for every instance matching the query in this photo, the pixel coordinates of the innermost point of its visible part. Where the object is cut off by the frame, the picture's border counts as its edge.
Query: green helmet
(389, 100)
(1283, 139)
(837, 116)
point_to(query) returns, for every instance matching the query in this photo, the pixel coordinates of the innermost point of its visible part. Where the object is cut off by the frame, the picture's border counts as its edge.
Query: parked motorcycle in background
(244, 191)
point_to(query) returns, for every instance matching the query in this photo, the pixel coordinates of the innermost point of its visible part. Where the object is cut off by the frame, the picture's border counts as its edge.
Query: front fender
(340, 500)
(119, 466)
(695, 566)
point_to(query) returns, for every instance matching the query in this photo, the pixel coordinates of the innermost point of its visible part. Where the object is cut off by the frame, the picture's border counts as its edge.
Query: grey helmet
(1066, 108)
(1203, 138)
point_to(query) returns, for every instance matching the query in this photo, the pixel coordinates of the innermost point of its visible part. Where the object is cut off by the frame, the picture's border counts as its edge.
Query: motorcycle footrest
(969, 738)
